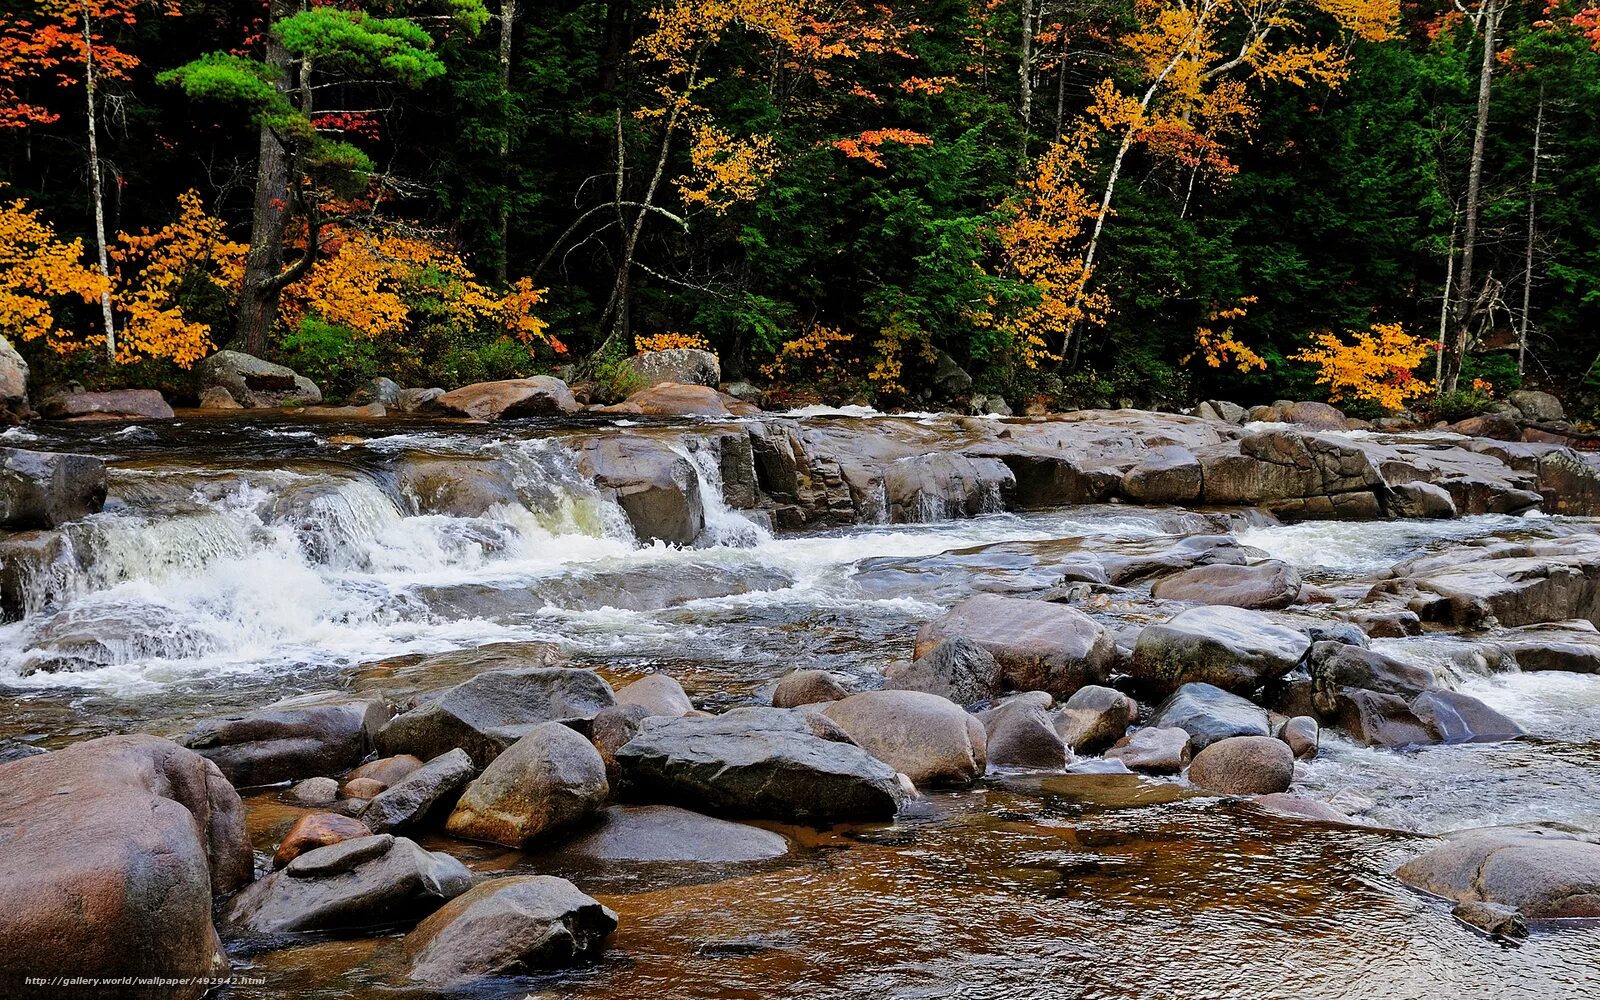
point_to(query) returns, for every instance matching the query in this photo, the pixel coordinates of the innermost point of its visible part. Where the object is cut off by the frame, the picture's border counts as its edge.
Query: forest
(1092, 203)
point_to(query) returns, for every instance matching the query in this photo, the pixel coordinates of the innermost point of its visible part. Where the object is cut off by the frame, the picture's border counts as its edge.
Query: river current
(241, 562)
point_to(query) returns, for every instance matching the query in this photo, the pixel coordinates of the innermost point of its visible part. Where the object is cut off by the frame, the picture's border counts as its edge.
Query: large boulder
(547, 782)
(1264, 585)
(757, 762)
(324, 732)
(1419, 499)
(929, 739)
(540, 396)
(1460, 718)
(1541, 873)
(1244, 765)
(493, 710)
(508, 927)
(1020, 732)
(13, 384)
(1169, 474)
(655, 486)
(120, 404)
(424, 794)
(957, 668)
(1335, 665)
(807, 687)
(1208, 714)
(1040, 646)
(1380, 720)
(456, 485)
(385, 771)
(354, 885)
(611, 729)
(1537, 406)
(1095, 717)
(1154, 750)
(683, 366)
(110, 853)
(670, 834)
(1231, 648)
(657, 694)
(1295, 475)
(1307, 414)
(252, 382)
(942, 486)
(669, 399)
(40, 489)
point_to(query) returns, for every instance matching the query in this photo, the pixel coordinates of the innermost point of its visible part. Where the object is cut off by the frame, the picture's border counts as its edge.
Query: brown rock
(1303, 736)
(1095, 717)
(1153, 750)
(1040, 646)
(546, 782)
(657, 694)
(670, 399)
(121, 404)
(1264, 585)
(363, 788)
(1244, 765)
(519, 397)
(806, 687)
(613, 728)
(315, 830)
(385, 770)
(931, 740)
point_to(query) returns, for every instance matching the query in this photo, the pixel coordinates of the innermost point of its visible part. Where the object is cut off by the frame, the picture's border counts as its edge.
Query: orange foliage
(865, 146)
(1219, 347)
(726, 170)
(671, 342)
(1378, 367)
(809, 355)
(36, 267)
(30, 49)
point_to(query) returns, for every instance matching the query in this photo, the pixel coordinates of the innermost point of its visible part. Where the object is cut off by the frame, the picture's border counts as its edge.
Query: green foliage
(1458, 405)
(335, 357)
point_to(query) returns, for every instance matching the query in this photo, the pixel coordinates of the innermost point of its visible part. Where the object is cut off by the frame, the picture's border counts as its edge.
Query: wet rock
(1536, 405)
(684, 366)
(381, 390)
(668, 399)
(1208, 714)
(540, 396)
(1385, 623)
(120, 404)
(418, 400)
(1021, 733)
(1295, 475)
(1334, 666)
(1512, 583)
(1459, 718)
(1220, 409)
(807, 687)
(656, 487)
(670, 834)
(40, 489)
(1131, 562)
(1039, 646)
(549, 781)
(13, 383)
(1294, 807)
(508, 927)
(1264, 585)
(1169, 474)
(941, 487)
(1303, 736)
(215, 397)
(426, 793)
(1095, 717)
(110, 852)
(657, 694)
(1231, 648)
(458, 486)
(353, 885)
(1569, 646)
(493, 710)
(320, 733)
(1490, 918)
(316, 791)
(611, 729)
(362, 788)
(314, 830)
(763, 763)
(1499, 426)
(385, 771)
(1381, 720)
(1153, 750)
(1244, 765)
(252, 382)
(1419, 499)
(929, 739)
(1539, 873)
(1310, 415)
(957, 668)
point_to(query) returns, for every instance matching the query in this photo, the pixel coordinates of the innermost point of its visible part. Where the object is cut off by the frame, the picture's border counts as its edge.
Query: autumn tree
(37, 269)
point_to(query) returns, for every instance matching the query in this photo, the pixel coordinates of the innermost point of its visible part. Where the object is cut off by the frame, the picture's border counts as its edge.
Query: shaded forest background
(848, 180)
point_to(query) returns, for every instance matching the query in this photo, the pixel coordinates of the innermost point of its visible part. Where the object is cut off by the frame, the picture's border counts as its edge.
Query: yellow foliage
(366, 282)
(1219, 347)
(671, 342)
(890, 347)
(1378, 367)
(35, 268)
(725, 170)
(153, 268)
(808, 354)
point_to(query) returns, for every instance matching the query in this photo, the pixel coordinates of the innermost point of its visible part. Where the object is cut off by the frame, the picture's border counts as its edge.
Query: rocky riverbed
(685, 699)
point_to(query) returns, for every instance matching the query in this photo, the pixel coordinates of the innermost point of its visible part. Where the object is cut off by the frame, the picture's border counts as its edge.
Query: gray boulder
(40, 489)
(670, 834)
(1264, 585)
(1169, 474)
(1040, 646)
(354, 885)
(1154, 750)
(13, 384)
(119, 404)
(1302, 735)
(1222, 410)
(807, 687)
(428, 792)
(1208, 714)
(508, 927)
(929, 739)
(655, 486)
(685, 366)
(1095, 717)
(611, 729)
(1228, 647)
(957, 668)
(1540, 873)
(1244, 765)
(321, 733)
(1335, 665)
(1419, 499)
(1536, 405)
(457, 485)
(545, 783)
(378, 390)
(657, 694)
(540, 396)
(253, 383)
(1459, 718)
(1020, 732)
(758, 762)
(493, 710)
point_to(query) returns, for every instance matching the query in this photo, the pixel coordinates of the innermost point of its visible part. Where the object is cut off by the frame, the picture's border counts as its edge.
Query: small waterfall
(559, 498)
(724, 525)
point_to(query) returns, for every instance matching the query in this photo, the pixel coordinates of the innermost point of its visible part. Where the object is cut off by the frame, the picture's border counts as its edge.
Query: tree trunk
(1444, 306)
(269, 220)
(1527, 264)
(1025, 76)
(94, 185)
(502, 214)
(1466, 311)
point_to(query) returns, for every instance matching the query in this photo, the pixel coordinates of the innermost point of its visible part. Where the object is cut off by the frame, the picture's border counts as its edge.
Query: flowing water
(240, 562)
